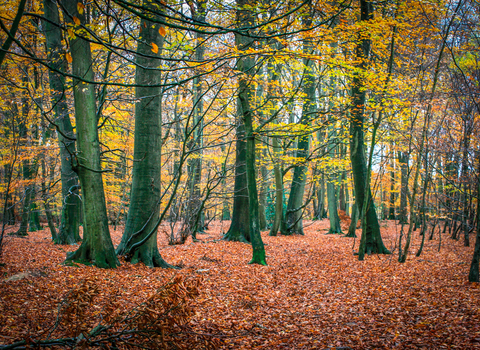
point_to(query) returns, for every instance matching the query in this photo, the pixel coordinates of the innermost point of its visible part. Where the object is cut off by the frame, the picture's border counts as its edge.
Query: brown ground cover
(314, 293)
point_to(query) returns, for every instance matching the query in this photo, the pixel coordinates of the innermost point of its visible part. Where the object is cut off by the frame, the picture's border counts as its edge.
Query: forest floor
(314, 293)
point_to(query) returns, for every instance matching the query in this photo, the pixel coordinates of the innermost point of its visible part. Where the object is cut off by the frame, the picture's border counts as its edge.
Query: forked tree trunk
(139, 240)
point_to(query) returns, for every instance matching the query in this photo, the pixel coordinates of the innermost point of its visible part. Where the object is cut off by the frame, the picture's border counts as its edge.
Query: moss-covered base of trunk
(332, 231)
(292, 231)
(373, 245)
(235, 235)
(150, 257)
(259, 257)
(67, 237)
(88, 254)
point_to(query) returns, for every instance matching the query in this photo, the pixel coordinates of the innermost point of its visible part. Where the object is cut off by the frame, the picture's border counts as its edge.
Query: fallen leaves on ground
(314, 293)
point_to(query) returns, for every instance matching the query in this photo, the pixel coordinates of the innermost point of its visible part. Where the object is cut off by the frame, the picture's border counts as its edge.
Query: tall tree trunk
(403, 159)
(331, 185)
(277, 170)
(139, 240)
(68, 232)
(97, 247)
(391, 209)
(34, 218)
(353, 224)
(372, 239)
(194, 218)
(293, 218)
(246, 92)
(27, 168)
(262, 195)
(424, 196)
(46, 199)
(239, 227)
(473, 275)
(467, 132)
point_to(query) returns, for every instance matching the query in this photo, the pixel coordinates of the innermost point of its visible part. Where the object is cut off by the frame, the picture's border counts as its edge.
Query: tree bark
(97, 247)
(473, 275)
(239, 227)
(194, 220)
(372, 238)
(68, 231)
(293, 218)
(246, 92)
(139, 240)
(332, 187)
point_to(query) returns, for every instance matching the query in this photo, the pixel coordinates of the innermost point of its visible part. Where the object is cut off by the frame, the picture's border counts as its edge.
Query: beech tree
(371, 238)
(246, 91)
(139, 241)
(68, 232)
(293, 218)
(97, 247)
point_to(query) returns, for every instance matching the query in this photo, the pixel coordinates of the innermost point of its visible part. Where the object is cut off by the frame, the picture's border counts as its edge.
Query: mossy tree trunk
(68, 232)
(353, 224)
(239, 227)
(246, 92)
(372, 239)
(34, 218)
(391, 208)
(473, 275)
(403, 160)
(331, 184)
(97, 247)
(27, 167)
(139, 240)
(278, 173)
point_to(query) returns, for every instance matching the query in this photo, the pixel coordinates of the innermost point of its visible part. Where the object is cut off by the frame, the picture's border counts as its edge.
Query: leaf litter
(314, 293)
